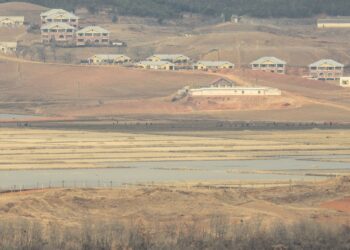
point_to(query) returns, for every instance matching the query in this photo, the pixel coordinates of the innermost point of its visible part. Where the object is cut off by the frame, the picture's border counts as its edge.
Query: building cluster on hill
(325, 69)
(62, 27)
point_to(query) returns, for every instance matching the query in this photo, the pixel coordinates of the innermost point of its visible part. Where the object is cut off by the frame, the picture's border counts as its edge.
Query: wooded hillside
(165, 9)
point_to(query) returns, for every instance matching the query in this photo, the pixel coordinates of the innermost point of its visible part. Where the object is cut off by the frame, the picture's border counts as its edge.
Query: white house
(8, 47)
(173, 58)
(224, 87)
(109, 59)
(59, 16)
(213, 65)
(11, 21)
(326, 69)
(269, 64)
(160, 65)
(93, 36)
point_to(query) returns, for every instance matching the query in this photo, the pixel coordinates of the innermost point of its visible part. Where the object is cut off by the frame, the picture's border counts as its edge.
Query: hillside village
(64, 29)
(92, 42)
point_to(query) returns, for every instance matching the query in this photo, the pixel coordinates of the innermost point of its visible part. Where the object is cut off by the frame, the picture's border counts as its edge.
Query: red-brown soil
(342, 205)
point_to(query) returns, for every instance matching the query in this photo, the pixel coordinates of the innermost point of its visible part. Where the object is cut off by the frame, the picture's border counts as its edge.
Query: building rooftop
(57, 26)
(109, 56)
(165, 57)
(62, 15)
(8, 44)
(326, 62)
(93, 29)
(16, 18)
(268, 60)
(159, 63)
(222, 82)
(54, 11)
(214, 63)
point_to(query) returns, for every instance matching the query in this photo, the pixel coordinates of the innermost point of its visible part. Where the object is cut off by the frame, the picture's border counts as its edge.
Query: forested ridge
(175, 8)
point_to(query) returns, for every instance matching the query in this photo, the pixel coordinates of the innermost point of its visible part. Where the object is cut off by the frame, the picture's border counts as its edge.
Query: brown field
(56, 149)
(164, 205)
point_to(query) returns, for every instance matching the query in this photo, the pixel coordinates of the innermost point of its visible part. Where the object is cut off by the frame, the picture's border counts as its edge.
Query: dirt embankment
(165, 205)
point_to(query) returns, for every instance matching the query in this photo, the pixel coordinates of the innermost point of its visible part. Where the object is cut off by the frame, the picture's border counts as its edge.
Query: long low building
(173, 58)
(213, 65)
(335, 22)
(224, 87)
(11, 21)
(160, 65)
(8, 47)
(108, 59)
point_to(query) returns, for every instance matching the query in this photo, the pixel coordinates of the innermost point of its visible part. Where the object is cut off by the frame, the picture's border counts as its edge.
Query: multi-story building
(326, 69)
(61, 33)
(11, 21)
(269, 64)
(92, 36)
(59, 16)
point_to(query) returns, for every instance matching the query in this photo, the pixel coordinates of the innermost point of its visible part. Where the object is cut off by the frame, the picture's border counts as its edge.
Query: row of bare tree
(219, 234)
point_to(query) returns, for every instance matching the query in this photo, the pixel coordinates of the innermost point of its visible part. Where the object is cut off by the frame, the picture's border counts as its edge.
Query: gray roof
(165, 57)
(93, 29)
(214, 63)
(53, 11)
(263, 60)
(159, 63)
(326, 61)
(63, 15)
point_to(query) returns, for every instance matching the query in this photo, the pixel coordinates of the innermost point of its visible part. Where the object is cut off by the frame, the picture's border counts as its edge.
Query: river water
(147, 172)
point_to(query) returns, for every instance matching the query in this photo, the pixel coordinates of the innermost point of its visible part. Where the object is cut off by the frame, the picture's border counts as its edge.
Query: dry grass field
(56, 149)
(160, 207)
